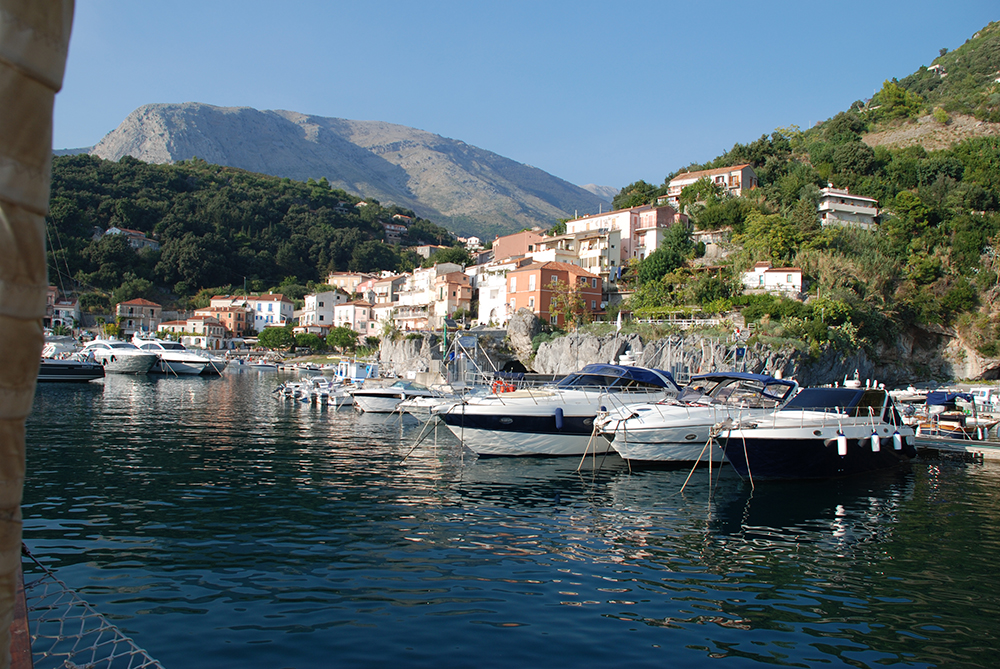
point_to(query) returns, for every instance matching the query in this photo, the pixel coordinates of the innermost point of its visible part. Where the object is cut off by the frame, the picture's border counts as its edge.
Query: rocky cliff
(465, 188)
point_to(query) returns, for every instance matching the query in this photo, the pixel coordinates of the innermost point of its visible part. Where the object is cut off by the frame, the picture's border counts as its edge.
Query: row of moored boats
(765, 427)
(143, 355)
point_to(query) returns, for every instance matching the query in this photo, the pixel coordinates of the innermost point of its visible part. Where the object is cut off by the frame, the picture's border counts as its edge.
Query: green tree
(769, 237)
(276, 337)
(636, 194)
(672, 253)
(342, 338)
(894, 101)
(310, 341)
(453, 254)
(567, 302)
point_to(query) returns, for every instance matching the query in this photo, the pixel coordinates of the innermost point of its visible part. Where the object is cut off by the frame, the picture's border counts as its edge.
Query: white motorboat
(120, 357)
(555, 419)
(676, 430)
(386, 399)
(214, 365)
(317, 390)
(821, 433)
(69, 369)
(173, 357)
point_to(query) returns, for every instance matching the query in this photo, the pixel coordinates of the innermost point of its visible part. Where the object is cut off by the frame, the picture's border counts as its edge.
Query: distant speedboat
(70, 370)
(676, 430)
(119, 356)
(821, 433)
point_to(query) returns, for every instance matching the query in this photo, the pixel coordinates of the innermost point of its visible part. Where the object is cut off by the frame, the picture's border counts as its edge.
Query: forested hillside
(931, 262)
(217, 227)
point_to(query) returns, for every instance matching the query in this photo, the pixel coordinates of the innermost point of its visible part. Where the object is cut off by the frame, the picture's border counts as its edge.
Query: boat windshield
(123, 344)
(747, 390)
(616, 378)
(408, 385)
(172, 346)
(856, 402)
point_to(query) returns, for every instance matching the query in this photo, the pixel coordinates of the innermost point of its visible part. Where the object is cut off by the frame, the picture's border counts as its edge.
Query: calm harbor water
(221, 527)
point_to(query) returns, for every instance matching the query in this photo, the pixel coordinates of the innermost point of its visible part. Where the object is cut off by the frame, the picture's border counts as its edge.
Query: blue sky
(589, 91)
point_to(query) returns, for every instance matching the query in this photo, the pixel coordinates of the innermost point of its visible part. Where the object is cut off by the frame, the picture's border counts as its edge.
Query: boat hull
(789, 453)
(524, 434)
(178, 367)
(72, 371)
(669, 444)
(128, 364)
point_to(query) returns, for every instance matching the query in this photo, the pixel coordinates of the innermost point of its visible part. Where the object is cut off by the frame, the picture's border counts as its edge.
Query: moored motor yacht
(556, 419)
(172, 357)
(386, 399)
(677, 429)
(821, 433)
(119, 357)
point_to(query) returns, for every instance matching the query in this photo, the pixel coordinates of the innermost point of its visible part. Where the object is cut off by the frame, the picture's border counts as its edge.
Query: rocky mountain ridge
(454, 184)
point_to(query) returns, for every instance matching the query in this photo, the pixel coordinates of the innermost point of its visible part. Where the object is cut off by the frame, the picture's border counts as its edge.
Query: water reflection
(221, 527)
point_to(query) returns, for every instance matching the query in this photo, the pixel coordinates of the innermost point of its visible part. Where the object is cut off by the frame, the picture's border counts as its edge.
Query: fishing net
(66, 633)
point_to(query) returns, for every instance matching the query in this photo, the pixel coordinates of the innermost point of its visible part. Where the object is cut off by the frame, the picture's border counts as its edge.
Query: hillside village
(563, 278)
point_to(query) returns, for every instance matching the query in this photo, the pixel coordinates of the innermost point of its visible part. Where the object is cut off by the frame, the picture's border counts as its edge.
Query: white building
(66, 312)
(491, 282)
(358, 316)
(270, 309)
(318, 310)
(639, 229)
(415, 307)
(779, 280)
(732, 180)
(839, 207)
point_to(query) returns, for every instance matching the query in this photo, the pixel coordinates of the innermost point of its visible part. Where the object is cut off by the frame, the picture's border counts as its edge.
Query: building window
(553, 279)
(531, 282)
(531, 302)
(321, 318)
(513, 286)
(593, 305)
(321, 304)
(593, 283)
(554, 319)
(789, 278)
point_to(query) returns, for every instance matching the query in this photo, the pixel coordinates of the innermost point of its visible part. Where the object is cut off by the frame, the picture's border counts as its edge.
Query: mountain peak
(465, 188)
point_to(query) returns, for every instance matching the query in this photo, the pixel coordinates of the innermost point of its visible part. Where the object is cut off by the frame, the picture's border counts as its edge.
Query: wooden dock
(980, 450)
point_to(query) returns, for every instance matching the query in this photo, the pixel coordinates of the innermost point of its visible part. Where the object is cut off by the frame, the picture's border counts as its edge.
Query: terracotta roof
(556, 265)
(139, 302)
(710, 173)
(274, 297)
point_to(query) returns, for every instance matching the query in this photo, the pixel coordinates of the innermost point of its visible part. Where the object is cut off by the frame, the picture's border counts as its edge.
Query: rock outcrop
(416, 353)
(522, 328)
(570, 353)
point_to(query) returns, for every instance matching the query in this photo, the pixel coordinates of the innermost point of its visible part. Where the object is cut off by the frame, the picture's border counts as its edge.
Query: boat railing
(823, 417)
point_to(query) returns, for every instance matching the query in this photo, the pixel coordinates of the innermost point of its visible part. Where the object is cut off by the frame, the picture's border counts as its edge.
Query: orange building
(236, 320)
(516, 245)
(537, 285)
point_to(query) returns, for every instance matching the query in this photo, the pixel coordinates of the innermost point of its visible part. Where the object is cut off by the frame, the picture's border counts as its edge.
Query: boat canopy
(742, 376)
(947, 398)
(853, 401)
(618, 377)
(742, 384)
